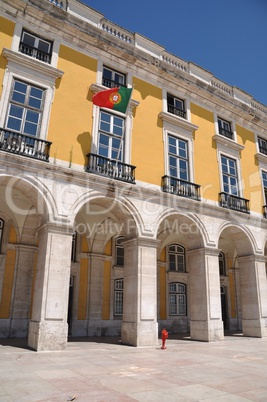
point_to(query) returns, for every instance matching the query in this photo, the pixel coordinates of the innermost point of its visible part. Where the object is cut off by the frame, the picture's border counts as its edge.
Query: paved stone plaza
(101, 369)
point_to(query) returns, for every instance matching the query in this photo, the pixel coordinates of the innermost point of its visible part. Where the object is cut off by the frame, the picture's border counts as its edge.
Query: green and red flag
(113, 98)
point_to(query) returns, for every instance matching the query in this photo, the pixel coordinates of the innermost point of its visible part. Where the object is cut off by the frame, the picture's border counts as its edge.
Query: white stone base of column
(208, 331)
(143, 333)
(254, 328)
(48, 335)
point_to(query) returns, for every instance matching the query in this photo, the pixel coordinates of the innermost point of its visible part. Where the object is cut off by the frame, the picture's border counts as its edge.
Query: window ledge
(32, 63)
(178, 121)
(261, 157)
(219, 139)
(98, 87)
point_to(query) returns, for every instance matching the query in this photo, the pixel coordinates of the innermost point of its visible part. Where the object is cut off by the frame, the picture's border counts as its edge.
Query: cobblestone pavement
(102, 369)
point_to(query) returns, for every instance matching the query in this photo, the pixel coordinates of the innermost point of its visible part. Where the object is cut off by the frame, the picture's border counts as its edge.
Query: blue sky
(226, 37)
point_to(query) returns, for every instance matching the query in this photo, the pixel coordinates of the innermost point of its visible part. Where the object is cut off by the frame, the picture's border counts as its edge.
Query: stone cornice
(32, 63)
(219, 139)
(178, 121)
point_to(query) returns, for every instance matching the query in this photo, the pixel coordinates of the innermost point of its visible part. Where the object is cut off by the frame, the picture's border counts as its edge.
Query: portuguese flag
(113, 98)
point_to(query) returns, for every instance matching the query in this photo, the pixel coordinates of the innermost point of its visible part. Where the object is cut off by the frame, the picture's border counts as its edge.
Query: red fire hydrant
(164, 336)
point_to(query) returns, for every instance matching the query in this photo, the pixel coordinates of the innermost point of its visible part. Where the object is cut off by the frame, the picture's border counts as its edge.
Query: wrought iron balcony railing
(25, 145)
(175, 110)
(180, 187)
(226, 133)
(111, 84)
(111, 168)
(234, 202)
(34, 52)
(262, 150)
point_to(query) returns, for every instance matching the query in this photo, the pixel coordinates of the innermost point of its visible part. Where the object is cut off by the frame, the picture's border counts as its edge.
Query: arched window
(222, 265)
(176, 258)
(177, 299)
(118, 297)
(119, 251)
(1, 233)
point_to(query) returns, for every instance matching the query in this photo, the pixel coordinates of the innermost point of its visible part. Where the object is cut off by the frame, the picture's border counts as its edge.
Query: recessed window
(262, 145)
(225, 128)
(222, 264)
(74, 247)
(176, 254)
(229, 175)
(118, 297)
(178, 158)
(112, 78)
(1, 233)
(25, 108)
(176, 106)
(111, 130)
(177, 299)
(35, 46)
(119, 252)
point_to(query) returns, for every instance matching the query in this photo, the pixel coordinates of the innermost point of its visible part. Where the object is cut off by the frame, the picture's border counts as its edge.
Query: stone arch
(237, 237)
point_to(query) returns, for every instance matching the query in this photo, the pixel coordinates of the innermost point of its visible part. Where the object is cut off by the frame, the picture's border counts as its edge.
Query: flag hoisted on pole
(113, 98)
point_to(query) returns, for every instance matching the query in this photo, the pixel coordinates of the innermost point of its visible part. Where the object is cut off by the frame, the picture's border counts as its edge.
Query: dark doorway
(70, 305)
(224, 307)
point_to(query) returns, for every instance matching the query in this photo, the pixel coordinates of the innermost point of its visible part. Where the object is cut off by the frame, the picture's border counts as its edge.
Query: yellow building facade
(124, 223)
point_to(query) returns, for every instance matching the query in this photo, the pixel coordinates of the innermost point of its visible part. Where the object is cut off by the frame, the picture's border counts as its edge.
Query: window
(225, 128)
(119, 252)
(1, 232)
(178, 158)
(176, 255)
(175, 106)
(222, 264)
(262, 145)
(264, 183)
(112, 78)
(118, 297)
(111, 136)
(74, 247)
(25, 108)
(35, 46)
(229, 176)
(177, 299)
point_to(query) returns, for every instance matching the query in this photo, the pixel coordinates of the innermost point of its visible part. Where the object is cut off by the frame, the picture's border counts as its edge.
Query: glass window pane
(28, 39)
(19, 92)
(43, 46)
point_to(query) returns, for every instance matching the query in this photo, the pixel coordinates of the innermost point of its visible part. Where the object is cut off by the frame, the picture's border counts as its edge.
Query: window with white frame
(119, 251)
(176, 106)
(25, 108)
(35, 46)
(111, 136)
(112, 78)
(1, 233)
(178, 158)
(262, 146)
(118, 297)
(264, 182)
(225, 128)
(176, 257)
(222, 266)
(229, 175)
(177, 298)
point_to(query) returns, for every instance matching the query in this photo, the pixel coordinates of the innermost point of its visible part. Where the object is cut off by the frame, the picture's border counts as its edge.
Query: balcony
(34, 52)
(25, 145)
(263, 149)
(226, 133)
(180, 187)
(234, 202)
(110, 168)
(175, 110)
(111, 84)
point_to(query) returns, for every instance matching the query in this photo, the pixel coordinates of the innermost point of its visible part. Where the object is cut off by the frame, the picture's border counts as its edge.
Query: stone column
(48, 327)
(253, 295)
(22, 290)
(139, 325)
(205, 298)
(95, 294)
